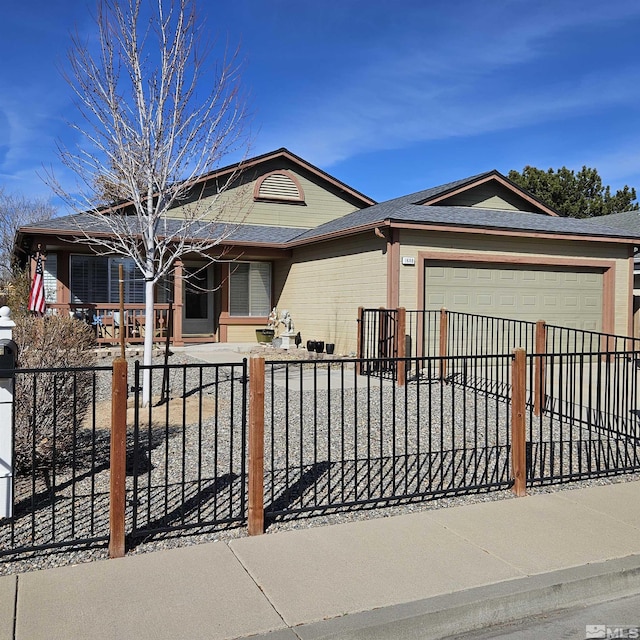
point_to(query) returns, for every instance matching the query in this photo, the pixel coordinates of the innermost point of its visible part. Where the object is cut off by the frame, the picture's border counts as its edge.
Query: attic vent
(279, 185)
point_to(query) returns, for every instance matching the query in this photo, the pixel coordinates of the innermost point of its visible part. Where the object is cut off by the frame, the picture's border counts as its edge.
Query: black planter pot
(330, 348)
(311, 345)
(319, 346)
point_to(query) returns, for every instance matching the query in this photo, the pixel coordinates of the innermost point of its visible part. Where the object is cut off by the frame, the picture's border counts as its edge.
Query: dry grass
(181, 411)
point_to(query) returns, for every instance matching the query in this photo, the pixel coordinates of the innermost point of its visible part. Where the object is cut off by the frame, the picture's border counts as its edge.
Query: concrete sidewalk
(424, 575)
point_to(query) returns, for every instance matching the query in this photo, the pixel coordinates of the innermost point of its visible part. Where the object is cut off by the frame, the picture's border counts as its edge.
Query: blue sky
(388, 96)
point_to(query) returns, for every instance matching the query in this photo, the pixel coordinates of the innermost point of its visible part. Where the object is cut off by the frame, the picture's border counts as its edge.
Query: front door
(198, 300)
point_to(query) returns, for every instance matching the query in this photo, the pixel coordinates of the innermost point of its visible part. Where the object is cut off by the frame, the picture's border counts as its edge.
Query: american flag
(36, 295)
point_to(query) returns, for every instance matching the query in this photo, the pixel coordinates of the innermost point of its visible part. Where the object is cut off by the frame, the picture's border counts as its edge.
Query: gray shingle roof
(403, 209)
(236, 233)
(427, 194)
(471, 217)
(628, 221)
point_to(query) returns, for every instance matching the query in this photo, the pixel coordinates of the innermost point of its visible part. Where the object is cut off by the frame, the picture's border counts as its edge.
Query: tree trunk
(149, 326)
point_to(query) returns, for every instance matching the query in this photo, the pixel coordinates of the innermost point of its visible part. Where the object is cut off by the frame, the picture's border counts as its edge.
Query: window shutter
(239, 290)
(259, 287)
(250, 289)
(51, 278)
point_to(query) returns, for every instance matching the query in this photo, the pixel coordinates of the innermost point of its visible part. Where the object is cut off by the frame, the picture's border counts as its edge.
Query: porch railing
(107, 324)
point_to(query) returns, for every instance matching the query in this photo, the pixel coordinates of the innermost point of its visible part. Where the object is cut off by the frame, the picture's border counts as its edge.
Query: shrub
(50, 405)
(15, 293)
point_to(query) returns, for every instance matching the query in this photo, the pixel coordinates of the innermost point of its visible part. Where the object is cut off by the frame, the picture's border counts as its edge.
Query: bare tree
(156, 117)
(16, 211)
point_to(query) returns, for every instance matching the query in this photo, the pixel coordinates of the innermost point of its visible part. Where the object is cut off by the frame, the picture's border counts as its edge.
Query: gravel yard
(336, 439)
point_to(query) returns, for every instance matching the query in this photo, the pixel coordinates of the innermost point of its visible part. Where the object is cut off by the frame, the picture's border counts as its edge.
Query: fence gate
(186, 461)
(378, 341)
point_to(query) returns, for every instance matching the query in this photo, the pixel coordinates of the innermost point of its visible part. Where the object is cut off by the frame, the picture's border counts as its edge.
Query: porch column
(393, 269)
(177, 304)
(225, 274)
(63, 286)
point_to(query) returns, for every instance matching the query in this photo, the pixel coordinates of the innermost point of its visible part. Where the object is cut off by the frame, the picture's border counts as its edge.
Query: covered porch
(198, 302)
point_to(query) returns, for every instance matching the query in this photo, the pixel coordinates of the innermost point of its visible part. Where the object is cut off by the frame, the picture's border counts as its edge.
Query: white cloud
(458, 83)
(619, 167)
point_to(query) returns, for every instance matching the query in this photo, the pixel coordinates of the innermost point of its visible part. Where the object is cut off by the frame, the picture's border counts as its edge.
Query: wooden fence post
(518, 433)
(118, 459)
(256, 446)
(444, 340)
(539, 368)
(401, 344)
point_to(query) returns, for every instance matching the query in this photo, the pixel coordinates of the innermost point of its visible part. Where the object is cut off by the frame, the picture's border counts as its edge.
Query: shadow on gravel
(190, 513)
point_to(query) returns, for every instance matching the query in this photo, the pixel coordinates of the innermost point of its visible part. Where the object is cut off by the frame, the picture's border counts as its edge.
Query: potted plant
(330, 348)
(265, 335)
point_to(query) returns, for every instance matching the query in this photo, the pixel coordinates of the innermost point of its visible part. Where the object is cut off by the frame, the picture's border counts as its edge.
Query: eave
(391, 224)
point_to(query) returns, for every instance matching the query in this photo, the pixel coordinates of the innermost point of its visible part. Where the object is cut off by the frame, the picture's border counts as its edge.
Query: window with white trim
(250, 289)
(96, 279)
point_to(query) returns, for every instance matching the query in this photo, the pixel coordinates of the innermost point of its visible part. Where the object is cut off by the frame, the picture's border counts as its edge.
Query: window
(51, 278)
(250, 289)
(95, 279)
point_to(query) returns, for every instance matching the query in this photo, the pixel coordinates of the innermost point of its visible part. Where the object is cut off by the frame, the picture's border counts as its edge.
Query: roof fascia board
(508, 232)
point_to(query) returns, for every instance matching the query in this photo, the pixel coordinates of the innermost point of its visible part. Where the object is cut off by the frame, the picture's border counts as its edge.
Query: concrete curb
(474, 609)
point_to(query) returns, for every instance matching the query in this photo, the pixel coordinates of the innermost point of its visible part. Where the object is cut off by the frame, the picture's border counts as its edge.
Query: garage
(566, 296)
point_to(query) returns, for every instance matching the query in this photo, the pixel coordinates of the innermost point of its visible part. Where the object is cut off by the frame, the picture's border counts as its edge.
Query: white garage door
(570, 298)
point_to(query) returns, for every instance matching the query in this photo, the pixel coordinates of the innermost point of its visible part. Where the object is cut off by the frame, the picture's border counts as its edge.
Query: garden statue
(287, 321)
(289, 332)
(272, 322)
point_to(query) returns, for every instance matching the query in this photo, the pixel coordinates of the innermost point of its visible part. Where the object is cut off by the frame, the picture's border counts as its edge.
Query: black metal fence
(335, 439)
(465, 334)
(188, 449)
(60, 488)
(587, 422)
(433, 333)
(378, 332)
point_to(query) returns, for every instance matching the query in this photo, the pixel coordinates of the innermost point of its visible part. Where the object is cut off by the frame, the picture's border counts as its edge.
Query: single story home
(304, 241)
(627, 222)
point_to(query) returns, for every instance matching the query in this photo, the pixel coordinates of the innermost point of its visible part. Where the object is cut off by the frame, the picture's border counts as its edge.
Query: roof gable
(284, 159)
(489, 190)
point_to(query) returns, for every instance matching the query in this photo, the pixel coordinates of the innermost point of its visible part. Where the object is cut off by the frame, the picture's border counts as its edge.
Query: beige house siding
(243, 333)
(237, 205)
(323, 286)
(412, 243)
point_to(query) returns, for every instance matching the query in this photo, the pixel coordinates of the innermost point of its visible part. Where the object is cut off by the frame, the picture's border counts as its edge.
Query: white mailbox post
(6, 424)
